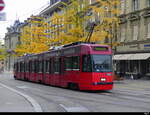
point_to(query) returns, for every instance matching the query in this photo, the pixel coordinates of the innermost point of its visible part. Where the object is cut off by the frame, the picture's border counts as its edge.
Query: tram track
(55, 99)
(130, 95)
(113, 95)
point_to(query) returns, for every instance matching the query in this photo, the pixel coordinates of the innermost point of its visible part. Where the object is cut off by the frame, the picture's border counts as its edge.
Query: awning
(138, 56)
(142, 56)
(122, 57)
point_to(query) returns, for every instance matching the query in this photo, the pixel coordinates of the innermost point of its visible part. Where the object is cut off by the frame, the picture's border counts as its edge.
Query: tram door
(57, 71)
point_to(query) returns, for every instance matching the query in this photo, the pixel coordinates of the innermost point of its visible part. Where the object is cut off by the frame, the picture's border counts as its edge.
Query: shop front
(133, 66)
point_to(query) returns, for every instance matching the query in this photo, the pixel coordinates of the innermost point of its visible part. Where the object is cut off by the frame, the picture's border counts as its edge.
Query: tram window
(22, 67)
(56, 65)
(41, 66)
(76, 63)
(14, 67)
(32, 66)
(87, 66)
(27, 66)
(47, 66)
(36, 66)
(17, 67)
(68, 63)
(50, 68)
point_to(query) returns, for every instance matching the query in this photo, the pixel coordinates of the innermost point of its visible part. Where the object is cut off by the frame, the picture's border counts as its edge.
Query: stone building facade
(132, 57)
(12, 38)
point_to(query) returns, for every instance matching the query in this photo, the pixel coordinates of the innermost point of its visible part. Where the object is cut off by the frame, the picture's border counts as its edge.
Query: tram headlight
(103, 79)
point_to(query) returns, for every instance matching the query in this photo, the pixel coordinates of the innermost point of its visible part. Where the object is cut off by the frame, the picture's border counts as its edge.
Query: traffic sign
(2, 5)
(3, 16)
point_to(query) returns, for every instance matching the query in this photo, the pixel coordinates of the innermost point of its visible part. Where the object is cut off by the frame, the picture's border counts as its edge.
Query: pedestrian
(132, 77)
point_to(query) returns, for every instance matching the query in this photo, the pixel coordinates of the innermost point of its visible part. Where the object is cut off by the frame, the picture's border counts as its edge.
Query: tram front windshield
(102, 63)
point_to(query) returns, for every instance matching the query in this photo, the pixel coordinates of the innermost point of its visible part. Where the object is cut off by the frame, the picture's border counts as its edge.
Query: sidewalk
(11, 101)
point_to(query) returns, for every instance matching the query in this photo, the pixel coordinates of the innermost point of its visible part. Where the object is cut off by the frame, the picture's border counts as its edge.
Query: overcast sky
(20, 9)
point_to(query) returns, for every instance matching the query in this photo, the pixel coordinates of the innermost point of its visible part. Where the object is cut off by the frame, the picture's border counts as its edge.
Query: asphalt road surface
(127, 96)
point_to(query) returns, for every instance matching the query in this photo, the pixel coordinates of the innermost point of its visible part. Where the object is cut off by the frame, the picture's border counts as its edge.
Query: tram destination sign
(100, 48)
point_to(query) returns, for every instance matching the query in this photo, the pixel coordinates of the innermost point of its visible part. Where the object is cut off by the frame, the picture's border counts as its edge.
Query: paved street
(127, 96)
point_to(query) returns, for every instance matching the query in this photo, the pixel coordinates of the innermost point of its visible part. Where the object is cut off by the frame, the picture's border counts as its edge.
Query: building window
(148, 3)
(135, 5)
(135, 32)
(122, 34)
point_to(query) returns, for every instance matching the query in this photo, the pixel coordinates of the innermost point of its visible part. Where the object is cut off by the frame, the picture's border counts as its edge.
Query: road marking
(8, 103)
(74, 109)
(22, 87)
(34, 103)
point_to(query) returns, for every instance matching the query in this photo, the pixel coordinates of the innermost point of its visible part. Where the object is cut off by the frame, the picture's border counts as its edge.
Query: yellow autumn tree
(72, 25)
(33, 37)
(107, 20)
(71, 22)
(79, 15)
(3, 54)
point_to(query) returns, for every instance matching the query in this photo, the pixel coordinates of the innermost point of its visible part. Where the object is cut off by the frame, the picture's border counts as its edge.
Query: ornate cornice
(134, 16)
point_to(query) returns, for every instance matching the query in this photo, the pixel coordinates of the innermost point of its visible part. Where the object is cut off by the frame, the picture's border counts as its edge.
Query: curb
(35, 105)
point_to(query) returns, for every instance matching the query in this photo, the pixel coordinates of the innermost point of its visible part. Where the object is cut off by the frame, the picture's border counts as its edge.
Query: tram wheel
(73, 86)
(15, 77)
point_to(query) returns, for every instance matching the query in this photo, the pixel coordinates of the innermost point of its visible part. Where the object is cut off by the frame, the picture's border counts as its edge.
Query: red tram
(85, 66)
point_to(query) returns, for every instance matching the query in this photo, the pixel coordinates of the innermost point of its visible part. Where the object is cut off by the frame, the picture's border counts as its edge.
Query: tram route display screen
(100, 48)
